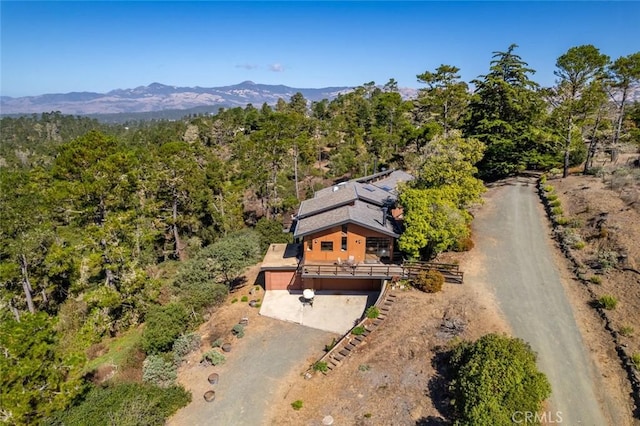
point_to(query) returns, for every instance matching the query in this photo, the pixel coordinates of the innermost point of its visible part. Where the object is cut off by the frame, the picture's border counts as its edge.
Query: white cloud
(248, 66)
(276, 67)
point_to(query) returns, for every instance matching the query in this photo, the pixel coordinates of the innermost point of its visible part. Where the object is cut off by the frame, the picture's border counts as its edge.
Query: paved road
(252, 373)
(519, 268)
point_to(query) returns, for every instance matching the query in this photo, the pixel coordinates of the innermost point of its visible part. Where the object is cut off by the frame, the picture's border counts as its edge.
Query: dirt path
(250, 379)
(512, 237)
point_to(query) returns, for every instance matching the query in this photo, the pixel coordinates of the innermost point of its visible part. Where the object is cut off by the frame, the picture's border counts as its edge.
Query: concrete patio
(336, 312)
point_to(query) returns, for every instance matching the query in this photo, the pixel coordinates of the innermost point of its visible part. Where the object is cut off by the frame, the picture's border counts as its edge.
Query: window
(344, 244)
(309, 245)
(378, 246)
(326, 246)
(344, 228)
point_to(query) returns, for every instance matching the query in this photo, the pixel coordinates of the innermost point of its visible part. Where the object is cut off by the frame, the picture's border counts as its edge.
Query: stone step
(343, 352)
(338, 357)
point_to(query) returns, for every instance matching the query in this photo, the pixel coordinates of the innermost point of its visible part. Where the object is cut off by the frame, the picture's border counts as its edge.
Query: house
(345, 238)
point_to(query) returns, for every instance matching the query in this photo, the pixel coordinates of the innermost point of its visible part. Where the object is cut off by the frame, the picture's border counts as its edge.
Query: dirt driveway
(513, 238)
(250, 380)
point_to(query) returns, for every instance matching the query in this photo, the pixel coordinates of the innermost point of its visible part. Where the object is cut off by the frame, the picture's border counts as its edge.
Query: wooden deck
(451, 272)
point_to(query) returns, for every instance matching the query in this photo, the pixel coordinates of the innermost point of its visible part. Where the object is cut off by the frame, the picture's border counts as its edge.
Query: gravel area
(513, 237)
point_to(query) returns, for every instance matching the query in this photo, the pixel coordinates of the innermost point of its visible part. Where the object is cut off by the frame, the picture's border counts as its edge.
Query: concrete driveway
(513, 239)
(336, 312)
(271, 351)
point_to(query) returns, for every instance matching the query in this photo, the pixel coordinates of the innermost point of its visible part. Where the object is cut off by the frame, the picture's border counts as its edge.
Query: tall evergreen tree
(506, 114)
(575, 95)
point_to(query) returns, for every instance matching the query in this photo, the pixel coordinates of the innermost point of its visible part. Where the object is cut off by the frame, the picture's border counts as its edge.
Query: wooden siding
(282, 280)
(356, 242)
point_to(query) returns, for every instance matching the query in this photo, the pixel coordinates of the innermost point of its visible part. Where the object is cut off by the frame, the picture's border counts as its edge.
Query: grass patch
(297, 404)
(626, 331)
(119, 350)
(244, 299)
(372, 312)
(320, 366)
(364, 367)
(357, 331)
(235, 300)
(608, 302)
(578, 245)
(594, 279)
(635, 359)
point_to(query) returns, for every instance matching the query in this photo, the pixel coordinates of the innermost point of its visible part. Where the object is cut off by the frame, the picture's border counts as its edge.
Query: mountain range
(160, 97)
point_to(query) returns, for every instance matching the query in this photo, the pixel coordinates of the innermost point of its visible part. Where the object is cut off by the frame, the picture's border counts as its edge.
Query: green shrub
(320, 366)
(330, 346)
(196, 285)
(555, 203)
(244, 299)
(372, 312)
(184, 344)
(217, 343)
(238, 331)
(364, 367)
(547, 188)
(557, 211)
(576, 223)
(125, 404)
(463, 244)
(158, 371)
(163, 324)
(213, 357)
(579, 245)
(608, 302)
(493, 378)
(594, 279)
(607, 259)
(297, 404)
(367, 415)
(543, 179)
(270, 232)
(562, 220)
(635, 359)
(357, 331)
(626, 330)
(234, 300)
(552, 197)
(430, 281)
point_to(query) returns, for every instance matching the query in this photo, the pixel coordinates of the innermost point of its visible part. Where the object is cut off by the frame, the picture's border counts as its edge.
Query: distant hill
(160, 97)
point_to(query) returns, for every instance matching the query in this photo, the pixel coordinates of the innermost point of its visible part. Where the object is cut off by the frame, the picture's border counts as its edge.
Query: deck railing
(450, 272)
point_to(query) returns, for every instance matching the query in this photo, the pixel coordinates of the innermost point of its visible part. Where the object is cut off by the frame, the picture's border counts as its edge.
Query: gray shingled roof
(346, 194)
(360, 212)
(351, 201)
(390, 183)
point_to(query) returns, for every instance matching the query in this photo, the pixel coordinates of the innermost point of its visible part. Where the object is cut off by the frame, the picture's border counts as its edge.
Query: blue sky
(59, 47)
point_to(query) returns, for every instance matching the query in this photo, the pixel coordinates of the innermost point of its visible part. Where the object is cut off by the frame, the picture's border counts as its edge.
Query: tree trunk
(565, 169)
(26, 285)
(295, 170)
(593, 143)
(14, 311)
(176, 235)
(616, 134)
